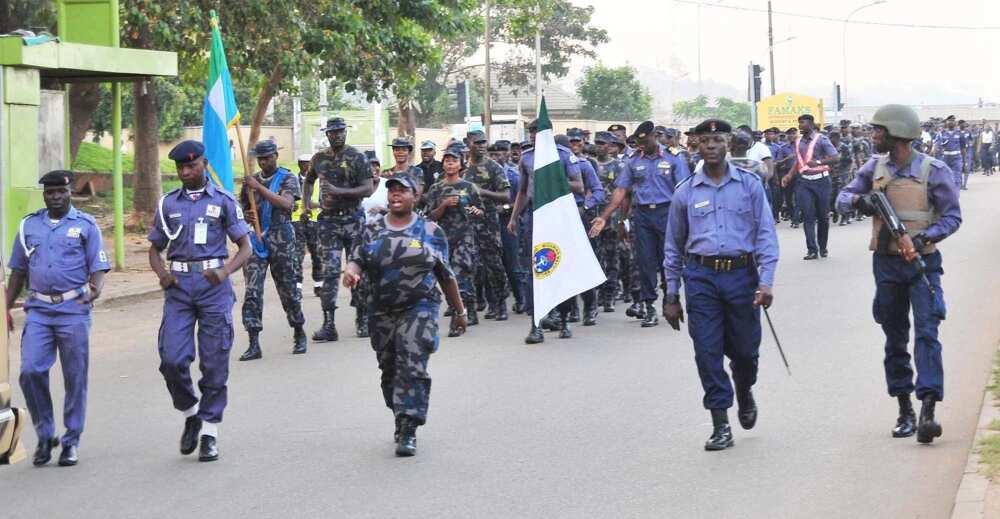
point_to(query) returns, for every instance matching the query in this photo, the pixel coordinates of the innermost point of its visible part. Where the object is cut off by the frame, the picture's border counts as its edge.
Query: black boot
(407, 444)
(906, 424)
(449, 312)
(747, 408)
(491, 312)
(535, 336)
(574, 312)
(722, 435)
(518, 307)
(550, 322)
(473, 318)
(651, 319)
(253, 351)
(564, 331)
(399, 425)
(300, 341)
(328, 331)
(928, 428)
(361, 320)
(590, 311)
(635, 310)
(502, 311)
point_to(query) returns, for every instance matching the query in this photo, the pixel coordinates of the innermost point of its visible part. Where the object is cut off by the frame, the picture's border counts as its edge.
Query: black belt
(722, 263)
(338, 212)
(652, 206)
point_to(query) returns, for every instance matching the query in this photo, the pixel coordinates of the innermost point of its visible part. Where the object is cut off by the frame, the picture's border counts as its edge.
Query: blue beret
(59, 178)
(187, 151)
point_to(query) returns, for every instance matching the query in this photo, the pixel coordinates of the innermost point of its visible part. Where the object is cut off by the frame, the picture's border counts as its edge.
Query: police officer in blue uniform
(59, 254)
(949, 146)
(191, 225)
(652, 174)
(721, 241)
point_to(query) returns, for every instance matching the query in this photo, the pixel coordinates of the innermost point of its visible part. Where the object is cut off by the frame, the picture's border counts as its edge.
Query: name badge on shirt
(200, 233)
(640, 168)
(73, 232)
(175, 215)
(699, 205)
(663, 165)
(213, 210)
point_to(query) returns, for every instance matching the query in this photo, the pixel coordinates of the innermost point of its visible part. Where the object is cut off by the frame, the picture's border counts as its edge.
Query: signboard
(783, 111)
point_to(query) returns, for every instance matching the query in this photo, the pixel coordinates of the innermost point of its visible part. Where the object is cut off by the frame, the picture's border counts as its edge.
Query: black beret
(527, 145)
(334, 123)
(533, 125)
(672, 132)
(502, 145)
(574, 134)
(616, 128)
(845, 122)
(187, 151)
(662, 130)
(403, 180)
(807, 117)
(264, 148)
(58, 178)
(475, 136)
(713, 126)
(643, 130)
(604, 137)
(562, 140)
(792, 130)
(950, 118)
(402, 142)
(515, 145)
(492, 147)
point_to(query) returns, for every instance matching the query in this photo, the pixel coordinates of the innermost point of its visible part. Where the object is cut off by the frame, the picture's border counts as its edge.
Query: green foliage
(734, 112)
(94, 157)
(336, 100)
(614, 94)
(33, 15)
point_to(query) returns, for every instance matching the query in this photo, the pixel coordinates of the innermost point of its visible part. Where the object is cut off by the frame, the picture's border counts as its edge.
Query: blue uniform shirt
(950, 140)
(592, 187)
(652, 178)
(824, 148)
(215, 207)
(942, 192)
(64, 255)
(729, 219)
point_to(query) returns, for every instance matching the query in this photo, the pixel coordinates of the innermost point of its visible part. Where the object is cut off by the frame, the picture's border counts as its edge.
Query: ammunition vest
(908, 196)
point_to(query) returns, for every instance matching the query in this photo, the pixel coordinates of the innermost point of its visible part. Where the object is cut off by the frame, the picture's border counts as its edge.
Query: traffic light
(757, 70)
(840, 103)
(460, 97)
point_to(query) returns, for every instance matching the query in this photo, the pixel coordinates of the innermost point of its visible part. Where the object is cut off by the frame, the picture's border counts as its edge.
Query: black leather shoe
(502, 312)
(722, 434)
(824, 253)
(209, 450)
(189, 438)
(928, 428)
(43, 453)
(491, 312)
(253, 351)
(747, 409)
(453, 332)
(651, 318)
(635, 310)
(535, 336)
(300, 341)
(549, 323)
(906, 423)
(481, 305)
(69, 456)
(407, 444)
(811, 256)
(574, 314)
(328, 331)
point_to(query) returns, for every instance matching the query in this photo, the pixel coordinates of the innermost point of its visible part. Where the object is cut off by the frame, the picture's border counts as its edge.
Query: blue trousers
(955, 163)
(722, 322)
(194, 301)
(513, 260)
(39, 343)
(898, 289)
(650, 232)
(813, 199)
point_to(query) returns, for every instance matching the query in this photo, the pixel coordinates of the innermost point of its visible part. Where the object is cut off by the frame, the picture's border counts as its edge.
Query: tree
(734, 112)
(614, 94)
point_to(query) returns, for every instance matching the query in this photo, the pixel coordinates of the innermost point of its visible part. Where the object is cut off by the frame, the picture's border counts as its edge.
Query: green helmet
(900, 121)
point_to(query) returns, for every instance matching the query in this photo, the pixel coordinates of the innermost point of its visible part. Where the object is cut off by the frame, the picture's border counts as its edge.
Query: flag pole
(247, 171)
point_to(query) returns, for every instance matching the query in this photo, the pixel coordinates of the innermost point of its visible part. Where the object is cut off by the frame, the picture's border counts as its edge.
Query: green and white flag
(563, 262)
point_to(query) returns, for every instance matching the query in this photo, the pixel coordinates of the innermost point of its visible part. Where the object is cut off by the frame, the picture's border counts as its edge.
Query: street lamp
(843, 87)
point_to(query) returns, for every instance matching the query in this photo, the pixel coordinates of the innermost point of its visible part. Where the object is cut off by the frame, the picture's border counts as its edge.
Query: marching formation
(664, 218)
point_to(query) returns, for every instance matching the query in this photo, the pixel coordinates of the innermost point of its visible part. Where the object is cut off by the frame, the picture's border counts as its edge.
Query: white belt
(949, 153)
(817, 176)
(59, 298)
(195, 266)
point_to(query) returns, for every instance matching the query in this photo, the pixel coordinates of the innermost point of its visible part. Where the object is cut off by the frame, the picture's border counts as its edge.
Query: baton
(776, 341)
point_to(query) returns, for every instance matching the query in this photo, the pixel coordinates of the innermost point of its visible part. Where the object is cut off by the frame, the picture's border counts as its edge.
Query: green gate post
(116, 176)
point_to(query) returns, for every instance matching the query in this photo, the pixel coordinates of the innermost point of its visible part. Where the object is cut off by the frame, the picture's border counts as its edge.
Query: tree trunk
(264, 99)
(407, 119)
(147, 151)
(83, 101)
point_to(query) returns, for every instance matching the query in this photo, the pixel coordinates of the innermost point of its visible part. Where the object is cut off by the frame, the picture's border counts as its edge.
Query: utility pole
(770, 42)
(297, 118)
(488, 101)
(468, 110)
(538, 62)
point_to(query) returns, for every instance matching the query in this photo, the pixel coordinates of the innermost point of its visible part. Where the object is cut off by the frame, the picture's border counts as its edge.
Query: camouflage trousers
(306, 239)
(403, 342)
(629, 272)
(491, 258)
(334, 234)
(609, 244)
(463, 255)
(287, 272)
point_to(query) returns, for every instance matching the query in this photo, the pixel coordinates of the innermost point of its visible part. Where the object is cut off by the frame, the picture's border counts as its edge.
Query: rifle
(896, 228)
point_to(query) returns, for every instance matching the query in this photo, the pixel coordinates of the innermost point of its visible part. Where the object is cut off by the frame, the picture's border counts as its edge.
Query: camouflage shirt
(456, 221)
(289, 186)
(487, 175)
(348, 169)
(416, 174)
(402, 263)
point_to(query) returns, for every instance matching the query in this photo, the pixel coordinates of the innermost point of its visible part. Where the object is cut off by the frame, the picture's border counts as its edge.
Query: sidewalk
(978, 497)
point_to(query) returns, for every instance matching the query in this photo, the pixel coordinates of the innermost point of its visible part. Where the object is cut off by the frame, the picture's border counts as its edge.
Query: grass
(94, 157)
(989, 446)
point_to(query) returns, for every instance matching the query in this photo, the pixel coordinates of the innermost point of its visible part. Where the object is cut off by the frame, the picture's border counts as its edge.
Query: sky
(884, 64)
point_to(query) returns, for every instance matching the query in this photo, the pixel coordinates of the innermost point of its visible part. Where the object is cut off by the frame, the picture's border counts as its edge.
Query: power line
(841, 20)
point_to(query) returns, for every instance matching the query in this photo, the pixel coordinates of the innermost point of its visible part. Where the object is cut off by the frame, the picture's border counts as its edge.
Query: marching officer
(811, 173)
(609, 242)
(402, 148)
(922, 191)
(304, 223)
(276, 191)
(721, 241)
(58, 253)
(428, 164)
(191, 225)
(345, 178)
(653, 175)
(949, 145)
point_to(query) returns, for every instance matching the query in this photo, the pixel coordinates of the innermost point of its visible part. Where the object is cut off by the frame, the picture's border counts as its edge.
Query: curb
(970, 500)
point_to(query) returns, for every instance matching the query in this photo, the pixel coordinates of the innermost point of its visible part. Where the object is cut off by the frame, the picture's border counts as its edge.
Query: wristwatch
(463, 313)
(672, 299)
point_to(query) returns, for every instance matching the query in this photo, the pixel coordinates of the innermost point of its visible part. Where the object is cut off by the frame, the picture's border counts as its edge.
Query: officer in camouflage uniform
(276, 190)
(454, 203)
(402, 149)
(494, 189)
(840, 173)
(345, 177)
(304, 224)
(609, 242)
(406, 257)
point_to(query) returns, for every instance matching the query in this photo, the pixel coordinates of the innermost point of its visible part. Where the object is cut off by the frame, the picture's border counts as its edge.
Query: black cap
(402, 142)
(792, 130)
(453, 151)
(187, 151)
(643, 130)
(502, 145)
(492, 147)
(617, 128)
(562, 140)
(614, 139)
(403, 180)
(475, 136)
(713, 126)
(661, 130)
(807, 117)
(533, 125)
(264, 148)
(773, 129)
(671, 132)
(742, 137)
(515, 145)
(604, 137)
(57, 178)
(574, 134)
(845, 122)
(334, 123)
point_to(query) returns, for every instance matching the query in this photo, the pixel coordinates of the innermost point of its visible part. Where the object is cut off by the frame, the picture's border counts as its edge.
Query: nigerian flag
(563, 262)
(220, 113)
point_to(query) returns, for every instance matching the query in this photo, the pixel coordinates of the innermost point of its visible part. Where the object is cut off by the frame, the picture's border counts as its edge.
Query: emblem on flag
(546, 258)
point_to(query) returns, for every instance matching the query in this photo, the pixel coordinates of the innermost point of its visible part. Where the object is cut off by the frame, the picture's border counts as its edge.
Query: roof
(556, 99)
(970, 112)
(70, 62)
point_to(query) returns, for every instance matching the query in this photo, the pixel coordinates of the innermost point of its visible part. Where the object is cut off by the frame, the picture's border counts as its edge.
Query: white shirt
(987, 137)
(759, 151)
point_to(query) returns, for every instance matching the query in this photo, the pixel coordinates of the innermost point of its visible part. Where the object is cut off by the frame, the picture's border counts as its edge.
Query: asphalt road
(608, 424)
